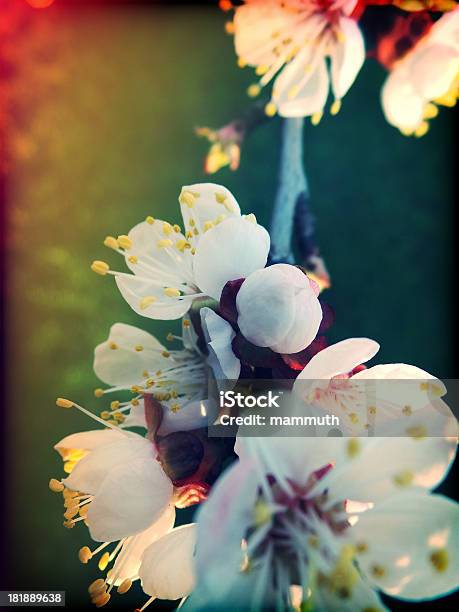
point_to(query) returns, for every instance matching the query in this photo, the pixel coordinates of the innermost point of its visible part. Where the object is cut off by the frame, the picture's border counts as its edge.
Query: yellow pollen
(170, 337)
(186, 197)
(293, 92)
(139, 348)
(69, 524)
(196, 231)
(101, 601)
(378, 571)
(98, 392)
(208, 225)
(56, 486)
(133, 259)
(404, 478)
(147, 301)
(262, 513)
(371, 409)
(125, 242)
(220, 197)
(192, 222)
(164, 243)
(175, 407)
(111, 242)
(177, 229)
(193, 251)
(407, 410)
(229, 27)
(186, 323)
(114, 405)
(354, 418)
(165, 354)
(167, 228)
(262, 69)
(316, 118)
(270, 109)
(253, 90)
(424, 386)
(135, 402)
(418, 432)
(105, 415)
(135, 389)
(361, 547)
(113, 346)
(150, 220)
(84, 510)
(71, 512)
(68, 466)
(64, 403)
(335, 107)
(124, 586)
(422, 129)
(96, 587)
(436, 390)
(181, 244)
(241, 62)
(103, 561)
(84, 554)
(430, 111)
(100, 267)
(150, 383)
(440, 560)
(171, 292)
(353, 448)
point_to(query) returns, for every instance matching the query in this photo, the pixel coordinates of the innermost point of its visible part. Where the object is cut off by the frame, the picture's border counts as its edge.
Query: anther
(64, 403)
(96, 587)
(103, 561)
(139, 348)
(147, 301)
(186, 197)
(133, 259)
(316, 118)
(164, 243)
(124, 586)
(335, 107)
(101, 601)
(98, 392)
(440, 559)
(56, 486)
(166, 354)
(270, 109)
(171, 292)
(114, 405)
(113, 346)
(84, 554)
(111, 242)
(150, 220)
(167, 228)
(125, 242)
(253, 90)
(100, 267)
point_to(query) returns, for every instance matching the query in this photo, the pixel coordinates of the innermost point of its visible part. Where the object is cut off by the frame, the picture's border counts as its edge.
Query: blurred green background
(107, 100)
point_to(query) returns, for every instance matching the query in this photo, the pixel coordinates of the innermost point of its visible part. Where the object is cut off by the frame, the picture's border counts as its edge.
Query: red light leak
(40, 4)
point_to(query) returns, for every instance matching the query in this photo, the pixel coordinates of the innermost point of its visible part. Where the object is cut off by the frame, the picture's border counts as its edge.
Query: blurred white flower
(425, 77)
(317, 515)
(171, 268)
(293, 41)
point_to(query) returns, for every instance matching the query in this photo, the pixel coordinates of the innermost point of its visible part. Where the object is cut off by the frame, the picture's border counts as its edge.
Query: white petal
(233, 249)
(132, 496)
(208, 203)
(413, 540)
(155, 260)
(402, 105)
(347, 57)
(136, 416)
(87, 440)
(339, 358)
(219, 334)
(164, 308)
(90, 472)
(167, 570)
(307, 78)
(125, 364)
(376, 469)
(434, 69)
(278, 308)
(129, 559)
(192, 415)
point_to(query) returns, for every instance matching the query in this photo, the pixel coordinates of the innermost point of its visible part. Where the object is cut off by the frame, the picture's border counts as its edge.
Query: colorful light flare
(40, 4)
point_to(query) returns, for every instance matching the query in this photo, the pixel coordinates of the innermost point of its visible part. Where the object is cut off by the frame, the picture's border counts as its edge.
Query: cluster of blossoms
(311, 48)
(293, 522)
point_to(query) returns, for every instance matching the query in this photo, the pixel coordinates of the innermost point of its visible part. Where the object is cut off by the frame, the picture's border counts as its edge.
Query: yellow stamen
(124, 586)
(56, 486)
(404, 478)
(316, 118)
(147, 301)
(165, 354)
(270, 109)
(96, 587)
(114, 405)
(186, 197)
(353, 448)
(64, 403)
(113, 346)
(335, 107)
(208, 225)
(98, 392)
(150, 220)
(253, 90)
(125, 242)
(84, 554)
(133, 259)
(101, 601)
(100, 267)
(103, 561)
(139, 348)
(440, 560)
(171, 292)
(167, 228)
(422, 129)
(111, 242)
